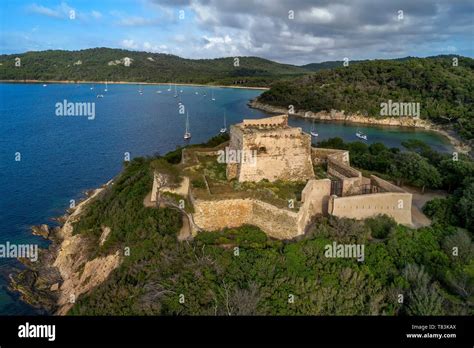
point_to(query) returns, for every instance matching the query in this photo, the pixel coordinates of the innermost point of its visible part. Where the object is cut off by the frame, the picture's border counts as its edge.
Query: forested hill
(99, 64)
(445, 92)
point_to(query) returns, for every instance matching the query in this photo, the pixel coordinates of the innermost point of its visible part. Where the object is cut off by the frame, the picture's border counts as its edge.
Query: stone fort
(285, 153)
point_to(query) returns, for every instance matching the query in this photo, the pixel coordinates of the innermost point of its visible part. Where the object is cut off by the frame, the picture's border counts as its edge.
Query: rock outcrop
(66, 270)
(79, 273)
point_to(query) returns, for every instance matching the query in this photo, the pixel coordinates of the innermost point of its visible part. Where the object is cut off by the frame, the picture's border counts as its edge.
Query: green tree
(466, 207)
(412, 168)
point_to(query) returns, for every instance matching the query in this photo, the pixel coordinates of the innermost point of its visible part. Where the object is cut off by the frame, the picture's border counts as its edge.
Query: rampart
(279, 223)
(395, 203)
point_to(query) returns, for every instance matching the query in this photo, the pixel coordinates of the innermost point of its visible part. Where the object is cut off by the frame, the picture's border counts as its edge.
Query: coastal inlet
(62, 157)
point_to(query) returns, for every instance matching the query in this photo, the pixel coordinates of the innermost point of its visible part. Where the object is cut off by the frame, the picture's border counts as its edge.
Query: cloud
(327, 29)
(46, 11)
(63, 11)
(96, 14)
(143, 46)
(129, 44)
(137, 21)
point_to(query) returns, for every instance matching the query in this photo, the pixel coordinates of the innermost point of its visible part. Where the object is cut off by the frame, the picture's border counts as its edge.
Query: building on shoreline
(280, 156)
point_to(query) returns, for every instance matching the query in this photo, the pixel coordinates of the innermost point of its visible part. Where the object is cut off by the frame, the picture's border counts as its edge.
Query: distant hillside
(445, 92)
(328, 65)
(99, 64)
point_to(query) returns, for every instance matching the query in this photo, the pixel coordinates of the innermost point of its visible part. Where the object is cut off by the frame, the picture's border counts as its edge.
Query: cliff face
(79, 273)
(341, 116)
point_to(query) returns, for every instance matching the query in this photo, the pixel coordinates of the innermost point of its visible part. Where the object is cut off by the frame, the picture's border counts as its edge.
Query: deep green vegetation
(421, 167)
(241, 271)
(62, 65)
(445, 92)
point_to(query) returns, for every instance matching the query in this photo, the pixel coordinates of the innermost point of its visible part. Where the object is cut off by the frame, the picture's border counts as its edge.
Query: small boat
(100, 95)
(105, 90)
(313, 131)
(44, 84)
(212, 98)
(196, 93)
(361, 135)
(180, 91)
(187, 133)
(224, 129)
(159, 92)
(92, 88)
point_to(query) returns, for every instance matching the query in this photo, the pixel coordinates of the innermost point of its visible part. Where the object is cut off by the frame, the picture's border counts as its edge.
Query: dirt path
(418, 202)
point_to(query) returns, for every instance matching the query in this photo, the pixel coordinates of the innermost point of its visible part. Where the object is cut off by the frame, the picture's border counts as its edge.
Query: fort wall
(383, 185)
(321, 155)
(315, 197)
(394, 204)
(212, 215)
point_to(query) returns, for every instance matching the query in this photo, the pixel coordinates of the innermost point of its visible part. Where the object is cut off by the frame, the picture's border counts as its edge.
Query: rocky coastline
(340, 116)
(66, 269)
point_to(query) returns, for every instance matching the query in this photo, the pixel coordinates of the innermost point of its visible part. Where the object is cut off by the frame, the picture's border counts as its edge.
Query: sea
(51, 154)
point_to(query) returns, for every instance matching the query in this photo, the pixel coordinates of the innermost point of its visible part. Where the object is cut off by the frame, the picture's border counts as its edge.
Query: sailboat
(169, 88)
(212, 92)
(140, 91)
(175, 92)
(187, 133)
(224, 129)
(313, 131)
(361, 135)
(105, 90)
(98, 95)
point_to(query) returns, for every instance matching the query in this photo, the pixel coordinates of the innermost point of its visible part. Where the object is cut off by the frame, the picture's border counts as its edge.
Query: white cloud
(316, 15)
(46, 11)
(129, 44)
(63, 11)
(96, 14)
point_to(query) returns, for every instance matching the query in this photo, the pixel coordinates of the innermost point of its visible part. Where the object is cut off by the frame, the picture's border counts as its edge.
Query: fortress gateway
(283, 156)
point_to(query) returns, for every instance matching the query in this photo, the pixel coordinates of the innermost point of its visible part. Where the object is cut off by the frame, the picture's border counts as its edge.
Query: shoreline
(42, 284)
(130, 83)
(340, 117)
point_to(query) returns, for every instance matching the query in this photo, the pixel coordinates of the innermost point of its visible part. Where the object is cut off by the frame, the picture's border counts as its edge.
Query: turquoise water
(390, 136)
(61, 157)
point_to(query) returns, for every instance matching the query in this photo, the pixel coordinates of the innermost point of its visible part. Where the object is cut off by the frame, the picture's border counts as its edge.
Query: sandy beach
(132, 83)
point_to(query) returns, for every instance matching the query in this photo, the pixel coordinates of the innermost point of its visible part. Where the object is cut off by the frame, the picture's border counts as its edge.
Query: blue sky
(319, 30)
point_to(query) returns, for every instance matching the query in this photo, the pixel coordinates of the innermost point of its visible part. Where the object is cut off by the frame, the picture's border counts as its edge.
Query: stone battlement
(284, 153)
(280, 121)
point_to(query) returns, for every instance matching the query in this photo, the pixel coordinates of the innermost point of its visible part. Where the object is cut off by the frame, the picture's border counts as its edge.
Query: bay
(62, 156)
